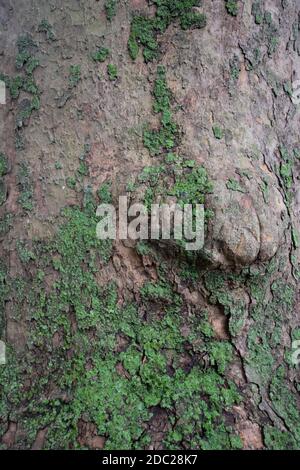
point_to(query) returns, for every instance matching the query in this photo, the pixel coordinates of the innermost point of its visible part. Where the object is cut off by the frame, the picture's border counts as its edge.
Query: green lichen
(192, 20)
(286, 171)
(3, 191)
(5, 224)
(112, 72)
(101, 54)
(110, 9)
(295, 238)
(25, 185)
(25, 254)
(235, 68)
(104, 193)
(46, 27)
(257, 12)
(232, 7)
(163, 139)
(145, 30)
(286, 407)
(74, 75)
(3, 165)
(234, 185)
(191, 186)
(89, 373)
(26, 48)
(27, 63)
(218, 132)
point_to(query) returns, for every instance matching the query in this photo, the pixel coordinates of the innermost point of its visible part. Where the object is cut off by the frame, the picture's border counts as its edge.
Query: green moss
(218, 132)
(71, 182)
(82, 170)
(295, 238)
(232, 7)
(151, 174)
(161, 92)
(5, 224)
(31, 65)
(257, 12)
(234, 185)
(104, 193)
(163, 139)
(212, 434)
(133, 46)
(3, 191)
(18, 83)
(264, 335)
(285, 406)
(119, 405)
(25, 254)
(10, 388)
(268, 17)
(296, 153)
(276, 439)
(283, 294)
(189, 272)
(287, 86)
(264, 339)
(143, 248)
(30, 86)
(19, 141)
(26, 48)
(85, 364)
(270, 33)
(285, 171)
(192, 20)
(3, 165)
(221, 289)
(112, 72)
(27, 62)
(217, 285)
(3, 298)
(156, 141)
(15, 85)
(110, 8)
(58, 165)
(46, 27)
(25, 187)
(265, 191)
(101, 54)
(145, 30)
(74, 75)
(27, 110)
(192, 186)
(220, 354)
(76, 182)
(158, 291)
(235, 68)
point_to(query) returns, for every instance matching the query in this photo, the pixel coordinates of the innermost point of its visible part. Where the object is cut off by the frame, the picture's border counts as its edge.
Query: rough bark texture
(130, 345)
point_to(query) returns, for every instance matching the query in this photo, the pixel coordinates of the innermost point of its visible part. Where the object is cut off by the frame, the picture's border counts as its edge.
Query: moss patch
(145, 30)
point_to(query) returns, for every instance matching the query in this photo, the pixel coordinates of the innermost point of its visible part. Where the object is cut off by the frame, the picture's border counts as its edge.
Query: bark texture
(137, 345)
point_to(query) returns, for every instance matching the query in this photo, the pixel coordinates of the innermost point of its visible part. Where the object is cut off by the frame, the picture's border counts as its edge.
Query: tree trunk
(143, 344)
